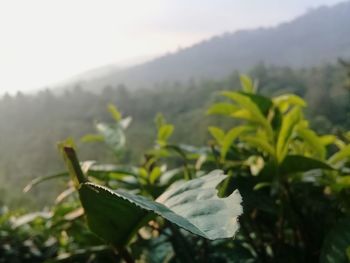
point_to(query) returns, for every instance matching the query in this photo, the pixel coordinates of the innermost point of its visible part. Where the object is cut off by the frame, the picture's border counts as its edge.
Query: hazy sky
(46, 41)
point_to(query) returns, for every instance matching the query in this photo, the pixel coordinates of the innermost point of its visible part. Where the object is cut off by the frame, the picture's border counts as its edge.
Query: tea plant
(294, 185)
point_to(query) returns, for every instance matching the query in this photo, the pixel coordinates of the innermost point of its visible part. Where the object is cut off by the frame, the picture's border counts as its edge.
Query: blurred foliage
(295, 185)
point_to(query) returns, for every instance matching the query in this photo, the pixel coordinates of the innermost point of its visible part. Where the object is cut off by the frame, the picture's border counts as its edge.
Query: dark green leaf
(297, 163)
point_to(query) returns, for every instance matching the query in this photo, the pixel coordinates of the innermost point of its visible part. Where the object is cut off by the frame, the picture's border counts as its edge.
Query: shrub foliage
(180, 204)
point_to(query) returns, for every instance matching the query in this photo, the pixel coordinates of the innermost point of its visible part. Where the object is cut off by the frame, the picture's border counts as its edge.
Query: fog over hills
(321, 35)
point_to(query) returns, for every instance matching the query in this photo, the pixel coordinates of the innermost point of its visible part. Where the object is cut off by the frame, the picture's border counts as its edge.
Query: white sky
(46, 41)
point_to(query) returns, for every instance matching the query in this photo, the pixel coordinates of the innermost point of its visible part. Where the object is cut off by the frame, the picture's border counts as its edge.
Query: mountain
(321, 35)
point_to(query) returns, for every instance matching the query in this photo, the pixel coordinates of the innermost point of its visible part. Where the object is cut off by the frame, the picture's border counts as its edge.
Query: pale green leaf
(197, 201)
(230, 137)
(289, 122)
(217, 133)
(244, 115)
(259, 143)
(222, 108)
(165, 132)
(328, 139)
(313, 140)
(114, 112)
(247, 83)
(92, 138)
(155, 174)
(285, 101)
(247, 104)
(339, 156)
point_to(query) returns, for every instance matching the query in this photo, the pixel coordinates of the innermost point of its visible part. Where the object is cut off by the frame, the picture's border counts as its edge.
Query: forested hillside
(32, 124)
(321, 35)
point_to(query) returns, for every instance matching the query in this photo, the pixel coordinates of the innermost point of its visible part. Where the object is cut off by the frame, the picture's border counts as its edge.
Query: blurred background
(62, 62)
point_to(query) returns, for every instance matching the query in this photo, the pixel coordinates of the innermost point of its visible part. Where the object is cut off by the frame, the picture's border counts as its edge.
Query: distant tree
(346, 66)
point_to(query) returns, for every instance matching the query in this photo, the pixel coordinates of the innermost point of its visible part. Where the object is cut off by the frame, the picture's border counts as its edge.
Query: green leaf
(289, 122)
(114, 112)
(259, 186)
(230, 137)
(287, 100)
(247, 84)
(155, 174)
(298, 163)
(165, 132)
(314, 141)
(340, 155)
(92, 138)
(246, 103)
(328, 139)
(336, 243)
(217, 133)
(222, 108)
(115, 216)
(264, 104)
(259, 143)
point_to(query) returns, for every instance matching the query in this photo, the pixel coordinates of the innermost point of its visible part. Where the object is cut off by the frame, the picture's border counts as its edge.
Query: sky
(43, 42)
